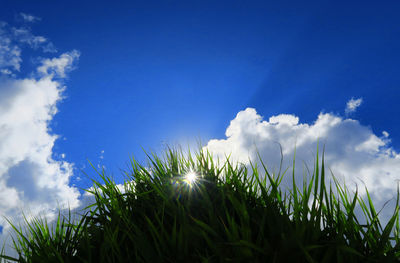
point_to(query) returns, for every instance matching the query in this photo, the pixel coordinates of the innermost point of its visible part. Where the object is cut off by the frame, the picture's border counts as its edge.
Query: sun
(190, 178)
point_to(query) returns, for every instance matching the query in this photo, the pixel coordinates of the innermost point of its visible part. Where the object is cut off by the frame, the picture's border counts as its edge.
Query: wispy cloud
(352, 105)
(59, 66)
(353, 152)
(10, 52)
(13, 40)
(29, 18)
(25, 36)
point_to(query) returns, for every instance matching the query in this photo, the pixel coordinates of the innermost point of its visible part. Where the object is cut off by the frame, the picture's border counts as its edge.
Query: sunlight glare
(190, 178)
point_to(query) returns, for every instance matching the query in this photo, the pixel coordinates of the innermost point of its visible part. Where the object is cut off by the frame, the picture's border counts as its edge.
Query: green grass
(229, 214)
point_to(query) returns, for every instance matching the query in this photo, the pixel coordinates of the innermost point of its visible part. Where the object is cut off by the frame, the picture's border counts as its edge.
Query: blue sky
(145, 73)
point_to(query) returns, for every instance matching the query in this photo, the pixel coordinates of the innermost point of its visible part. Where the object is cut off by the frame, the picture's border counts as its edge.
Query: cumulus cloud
(352, 105)
(353, 152)
(31, 179)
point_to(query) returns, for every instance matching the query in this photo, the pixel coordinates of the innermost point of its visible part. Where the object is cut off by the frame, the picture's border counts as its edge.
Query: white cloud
(59, 66)
(352, 105)
(10, 53)
(29, 18)
(385, 134)
(31, 180)
(12, 40)
(6, 71)
(353, 152)
(24, 35)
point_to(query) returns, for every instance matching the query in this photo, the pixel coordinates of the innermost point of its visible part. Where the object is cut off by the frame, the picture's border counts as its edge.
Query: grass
(221, 213)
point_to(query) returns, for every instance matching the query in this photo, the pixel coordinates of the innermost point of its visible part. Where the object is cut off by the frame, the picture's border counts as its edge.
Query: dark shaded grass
(229, 214)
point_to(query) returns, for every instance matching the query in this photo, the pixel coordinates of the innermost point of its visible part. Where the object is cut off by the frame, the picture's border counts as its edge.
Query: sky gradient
(99, 82)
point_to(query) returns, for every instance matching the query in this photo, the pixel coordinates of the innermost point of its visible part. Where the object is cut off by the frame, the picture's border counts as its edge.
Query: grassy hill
(189, 209)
